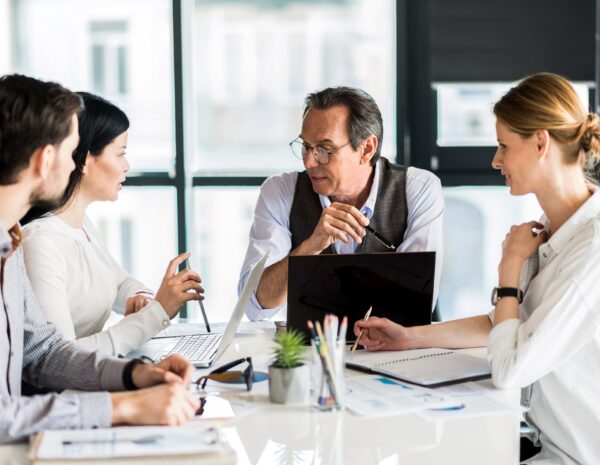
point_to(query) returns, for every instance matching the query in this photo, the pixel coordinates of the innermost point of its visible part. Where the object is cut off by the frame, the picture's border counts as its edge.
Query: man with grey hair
(345, 187)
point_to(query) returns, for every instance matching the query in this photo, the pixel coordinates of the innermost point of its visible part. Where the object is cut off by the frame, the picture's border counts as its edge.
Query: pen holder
(328, 387)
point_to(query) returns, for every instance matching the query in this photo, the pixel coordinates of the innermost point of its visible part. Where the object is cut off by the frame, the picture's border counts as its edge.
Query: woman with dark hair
(74, 277)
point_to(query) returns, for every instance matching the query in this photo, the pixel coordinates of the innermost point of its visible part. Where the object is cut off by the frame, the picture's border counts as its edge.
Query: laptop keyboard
(196, 348)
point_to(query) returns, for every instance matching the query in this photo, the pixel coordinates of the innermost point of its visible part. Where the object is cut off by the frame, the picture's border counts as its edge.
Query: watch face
(494, 296)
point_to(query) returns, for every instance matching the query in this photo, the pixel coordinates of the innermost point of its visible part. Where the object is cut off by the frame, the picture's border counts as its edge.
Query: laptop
(399, 286)
(202, 350)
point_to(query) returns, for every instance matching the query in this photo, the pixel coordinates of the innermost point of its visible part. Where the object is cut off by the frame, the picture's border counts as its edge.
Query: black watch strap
(128, 372)
(500, 292)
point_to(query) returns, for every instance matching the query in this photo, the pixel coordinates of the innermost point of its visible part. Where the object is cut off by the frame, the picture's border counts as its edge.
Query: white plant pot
(289, 385)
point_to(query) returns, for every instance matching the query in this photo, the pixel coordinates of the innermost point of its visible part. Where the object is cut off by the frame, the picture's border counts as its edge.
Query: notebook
(424, 367)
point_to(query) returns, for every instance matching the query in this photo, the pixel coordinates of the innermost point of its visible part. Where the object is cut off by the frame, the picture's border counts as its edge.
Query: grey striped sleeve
(24, 416)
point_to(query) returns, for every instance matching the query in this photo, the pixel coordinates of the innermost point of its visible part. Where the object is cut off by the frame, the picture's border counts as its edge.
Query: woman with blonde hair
(544, 333)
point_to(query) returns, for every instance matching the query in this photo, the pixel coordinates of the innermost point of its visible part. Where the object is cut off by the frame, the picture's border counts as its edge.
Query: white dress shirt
(270, 232)
(553, 350)
(78, 283)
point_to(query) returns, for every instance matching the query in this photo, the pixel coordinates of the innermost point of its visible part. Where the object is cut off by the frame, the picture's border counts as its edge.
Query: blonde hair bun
(590, 139)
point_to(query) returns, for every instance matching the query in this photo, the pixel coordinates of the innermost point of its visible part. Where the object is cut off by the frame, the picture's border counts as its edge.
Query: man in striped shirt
(38, 133)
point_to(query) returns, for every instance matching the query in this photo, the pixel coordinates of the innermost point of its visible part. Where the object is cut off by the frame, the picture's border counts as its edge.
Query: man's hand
(381, 334)
(173, 369)
(339, 221)
(136, 302)
(167, 404)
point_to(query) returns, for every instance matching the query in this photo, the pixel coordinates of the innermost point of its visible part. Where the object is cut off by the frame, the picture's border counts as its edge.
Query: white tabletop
(275, 434)
(264, 434)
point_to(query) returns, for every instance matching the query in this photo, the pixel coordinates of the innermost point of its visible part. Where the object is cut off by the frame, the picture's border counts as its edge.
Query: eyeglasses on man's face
(321, 155)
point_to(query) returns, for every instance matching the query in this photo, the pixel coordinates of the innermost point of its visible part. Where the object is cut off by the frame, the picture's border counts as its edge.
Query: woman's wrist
(407, 339)
(509, 272)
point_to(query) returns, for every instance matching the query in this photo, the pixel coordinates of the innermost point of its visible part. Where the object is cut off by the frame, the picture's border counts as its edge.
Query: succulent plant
(289, 351)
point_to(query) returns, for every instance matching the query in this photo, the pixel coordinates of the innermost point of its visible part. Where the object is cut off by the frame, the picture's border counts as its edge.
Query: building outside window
(109, 57)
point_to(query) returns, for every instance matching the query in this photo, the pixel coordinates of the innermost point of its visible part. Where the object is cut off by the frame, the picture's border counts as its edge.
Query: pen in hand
(380, 238)
(367, 315)
(187, 264)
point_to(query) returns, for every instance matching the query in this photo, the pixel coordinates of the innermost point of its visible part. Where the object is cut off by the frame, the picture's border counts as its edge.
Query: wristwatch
(500, 292)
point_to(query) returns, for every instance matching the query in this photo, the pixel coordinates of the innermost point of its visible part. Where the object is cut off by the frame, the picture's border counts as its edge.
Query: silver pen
(187, 265)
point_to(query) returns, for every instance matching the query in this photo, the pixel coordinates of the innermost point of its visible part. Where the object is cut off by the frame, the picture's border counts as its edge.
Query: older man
(38, 133)
(346, 186)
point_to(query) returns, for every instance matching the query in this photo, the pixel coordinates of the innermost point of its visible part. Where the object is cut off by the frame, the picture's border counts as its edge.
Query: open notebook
(425, 367)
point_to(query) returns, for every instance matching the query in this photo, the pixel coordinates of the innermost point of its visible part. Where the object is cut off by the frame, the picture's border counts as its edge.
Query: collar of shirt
(369, 207)
(590, 209)
(9, 240)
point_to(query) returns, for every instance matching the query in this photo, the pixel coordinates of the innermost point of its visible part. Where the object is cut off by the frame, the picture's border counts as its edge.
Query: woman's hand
(175, 288)
(520, 243)
(136, 302)
(381, 334)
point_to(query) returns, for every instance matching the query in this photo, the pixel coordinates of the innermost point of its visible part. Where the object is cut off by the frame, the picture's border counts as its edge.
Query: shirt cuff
(161, 317)
(502, 336)
(492, 315)
(112, 374)
(96, 409)
(143, 291)
(256, 312)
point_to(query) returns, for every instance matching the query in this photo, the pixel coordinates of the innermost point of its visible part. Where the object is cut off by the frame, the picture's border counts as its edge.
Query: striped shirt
(31, 350)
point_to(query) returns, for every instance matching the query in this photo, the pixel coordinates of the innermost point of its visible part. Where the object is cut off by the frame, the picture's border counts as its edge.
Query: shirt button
(165, 323)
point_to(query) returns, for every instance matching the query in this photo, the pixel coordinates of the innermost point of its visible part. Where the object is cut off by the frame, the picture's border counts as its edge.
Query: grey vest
(389, 217)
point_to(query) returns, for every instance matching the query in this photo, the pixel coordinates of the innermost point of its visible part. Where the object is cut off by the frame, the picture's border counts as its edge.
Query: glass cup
(328, 385)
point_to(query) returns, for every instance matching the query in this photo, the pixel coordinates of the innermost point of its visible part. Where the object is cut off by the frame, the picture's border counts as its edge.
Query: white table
(269, 434)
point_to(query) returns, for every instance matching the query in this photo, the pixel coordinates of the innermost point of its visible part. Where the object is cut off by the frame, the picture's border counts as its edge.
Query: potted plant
(289, 376)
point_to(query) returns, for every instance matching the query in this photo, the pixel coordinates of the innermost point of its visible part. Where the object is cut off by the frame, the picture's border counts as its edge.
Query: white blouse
(78, 283)
(553, 350)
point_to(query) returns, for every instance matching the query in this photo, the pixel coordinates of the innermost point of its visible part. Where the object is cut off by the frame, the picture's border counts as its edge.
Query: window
(109, 57)
(221, 224)
(139, 230)
(461, 54)
(255, 61)
(121, 50)
(464, 112)
(476, 221)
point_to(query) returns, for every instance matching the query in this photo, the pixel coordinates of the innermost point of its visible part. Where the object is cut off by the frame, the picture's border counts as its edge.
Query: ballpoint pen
(187, 264)
(380, 238)
(367, 315)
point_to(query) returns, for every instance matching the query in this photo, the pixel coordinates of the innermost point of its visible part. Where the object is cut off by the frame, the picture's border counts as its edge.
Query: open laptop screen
(399, 286)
